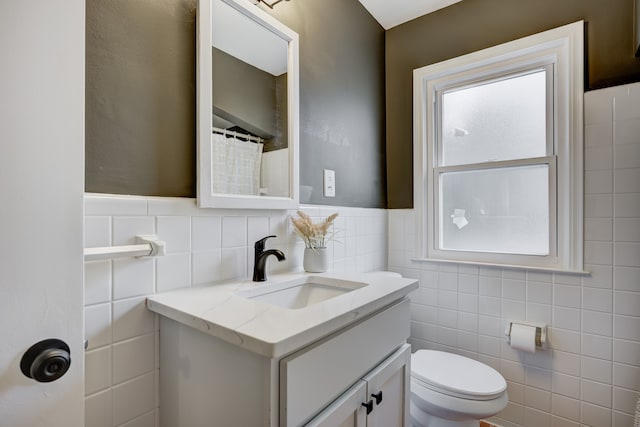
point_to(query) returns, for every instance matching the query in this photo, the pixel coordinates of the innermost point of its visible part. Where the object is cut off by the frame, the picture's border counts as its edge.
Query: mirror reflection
(249, 139)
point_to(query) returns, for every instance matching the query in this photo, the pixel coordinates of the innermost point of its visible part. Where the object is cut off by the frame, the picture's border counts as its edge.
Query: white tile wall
(203, 245)
(590, 376)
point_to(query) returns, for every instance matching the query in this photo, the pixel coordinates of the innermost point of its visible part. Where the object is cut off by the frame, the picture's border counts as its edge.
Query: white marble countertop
(270, 330)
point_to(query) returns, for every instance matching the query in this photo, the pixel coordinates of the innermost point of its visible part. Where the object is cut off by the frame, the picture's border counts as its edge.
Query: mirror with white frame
(247, 99)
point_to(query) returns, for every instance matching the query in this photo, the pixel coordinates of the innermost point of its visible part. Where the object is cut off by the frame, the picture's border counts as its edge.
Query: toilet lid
(456, 375)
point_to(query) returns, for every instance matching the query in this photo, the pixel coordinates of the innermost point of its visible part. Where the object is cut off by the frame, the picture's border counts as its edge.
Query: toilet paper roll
(523, 337)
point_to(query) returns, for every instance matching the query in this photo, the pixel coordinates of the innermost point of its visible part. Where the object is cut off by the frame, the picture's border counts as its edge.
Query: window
(498, 154)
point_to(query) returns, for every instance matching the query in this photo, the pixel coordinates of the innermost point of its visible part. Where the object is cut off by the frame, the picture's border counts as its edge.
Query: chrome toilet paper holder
(541, 332)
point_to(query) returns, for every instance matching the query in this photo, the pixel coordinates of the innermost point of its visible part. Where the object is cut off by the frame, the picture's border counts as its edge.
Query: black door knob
(46, 360)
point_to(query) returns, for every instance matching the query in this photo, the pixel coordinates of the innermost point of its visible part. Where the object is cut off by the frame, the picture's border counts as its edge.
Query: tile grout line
(613, 248)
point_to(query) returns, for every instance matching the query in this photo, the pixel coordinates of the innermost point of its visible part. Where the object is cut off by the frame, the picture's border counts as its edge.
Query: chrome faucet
(260, 259)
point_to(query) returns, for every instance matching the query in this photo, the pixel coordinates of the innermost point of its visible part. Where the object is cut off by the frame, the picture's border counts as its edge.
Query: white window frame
(560, 51)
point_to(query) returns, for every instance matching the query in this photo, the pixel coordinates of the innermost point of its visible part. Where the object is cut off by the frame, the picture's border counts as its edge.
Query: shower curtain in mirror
(236, 165)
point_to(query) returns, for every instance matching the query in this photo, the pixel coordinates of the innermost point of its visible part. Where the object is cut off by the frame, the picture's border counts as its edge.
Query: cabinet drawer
(313, 377)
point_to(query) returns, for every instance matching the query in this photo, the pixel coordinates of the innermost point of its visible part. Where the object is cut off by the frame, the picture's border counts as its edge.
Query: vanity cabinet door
(380, 399)
(346, 411)
(388, 389)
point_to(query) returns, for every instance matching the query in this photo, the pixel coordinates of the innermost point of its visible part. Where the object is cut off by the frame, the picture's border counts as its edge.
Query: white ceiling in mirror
(256, 45)
(392, 13)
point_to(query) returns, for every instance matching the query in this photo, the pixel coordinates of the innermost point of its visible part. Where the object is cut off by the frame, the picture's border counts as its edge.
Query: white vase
(315, 260)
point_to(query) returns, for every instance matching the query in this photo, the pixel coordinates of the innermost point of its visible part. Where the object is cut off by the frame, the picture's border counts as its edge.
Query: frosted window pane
(502, 210)
(503, 120)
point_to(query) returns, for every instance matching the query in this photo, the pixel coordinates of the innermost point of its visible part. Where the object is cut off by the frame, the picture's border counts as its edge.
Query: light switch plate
(329, 183)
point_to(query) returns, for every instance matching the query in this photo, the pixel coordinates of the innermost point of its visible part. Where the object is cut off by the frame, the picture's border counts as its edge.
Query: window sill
(507, 266)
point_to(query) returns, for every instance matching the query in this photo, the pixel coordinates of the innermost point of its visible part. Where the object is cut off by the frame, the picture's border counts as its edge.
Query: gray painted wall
(341, 99)
(472, 25)
(141, 98)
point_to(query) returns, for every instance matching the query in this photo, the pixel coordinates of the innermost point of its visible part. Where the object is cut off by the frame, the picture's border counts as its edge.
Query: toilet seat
(456, 376)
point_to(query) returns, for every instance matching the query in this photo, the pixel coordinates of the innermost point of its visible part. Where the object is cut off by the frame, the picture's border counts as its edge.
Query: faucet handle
(259, 245)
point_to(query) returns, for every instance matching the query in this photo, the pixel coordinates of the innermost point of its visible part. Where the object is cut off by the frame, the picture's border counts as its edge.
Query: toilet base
(429, 408)
(420, 418)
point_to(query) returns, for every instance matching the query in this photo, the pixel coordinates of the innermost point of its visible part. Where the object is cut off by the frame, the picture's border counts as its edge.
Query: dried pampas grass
(314, 235)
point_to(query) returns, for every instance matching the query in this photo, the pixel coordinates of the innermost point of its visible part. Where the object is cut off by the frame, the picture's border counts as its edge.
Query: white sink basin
(302, 292)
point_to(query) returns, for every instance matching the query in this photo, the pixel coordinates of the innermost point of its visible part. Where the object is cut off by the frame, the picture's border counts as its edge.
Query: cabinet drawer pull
(378, 397)
(369, 406)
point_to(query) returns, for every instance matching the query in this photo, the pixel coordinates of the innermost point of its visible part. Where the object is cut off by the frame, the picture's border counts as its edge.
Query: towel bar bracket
(158, 247)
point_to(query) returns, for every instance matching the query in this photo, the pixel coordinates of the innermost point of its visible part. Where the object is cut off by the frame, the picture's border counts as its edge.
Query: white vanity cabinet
(207, 381)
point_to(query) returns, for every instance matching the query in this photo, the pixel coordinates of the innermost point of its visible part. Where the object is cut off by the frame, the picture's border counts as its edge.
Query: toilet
(448, 390)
